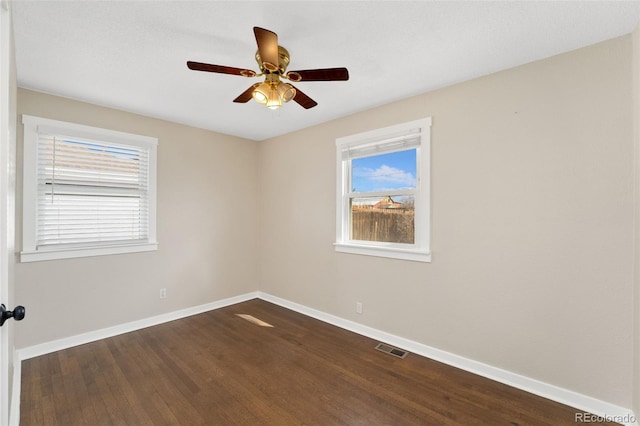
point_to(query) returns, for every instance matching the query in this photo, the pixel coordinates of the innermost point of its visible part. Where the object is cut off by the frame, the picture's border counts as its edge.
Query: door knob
(17, 313)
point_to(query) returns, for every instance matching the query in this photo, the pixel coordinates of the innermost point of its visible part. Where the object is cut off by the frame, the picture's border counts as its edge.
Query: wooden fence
(388, 225)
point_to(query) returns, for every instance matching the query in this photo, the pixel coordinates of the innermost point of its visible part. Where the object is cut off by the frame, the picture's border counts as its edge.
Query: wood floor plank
(217, 368)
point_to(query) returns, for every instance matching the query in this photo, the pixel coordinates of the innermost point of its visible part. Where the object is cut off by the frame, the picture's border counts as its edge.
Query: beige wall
(532, 223)
(636, 217)
(206, 231)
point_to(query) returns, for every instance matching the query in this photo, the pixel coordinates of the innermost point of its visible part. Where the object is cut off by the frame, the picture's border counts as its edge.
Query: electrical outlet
(163, 293)
(358, 307)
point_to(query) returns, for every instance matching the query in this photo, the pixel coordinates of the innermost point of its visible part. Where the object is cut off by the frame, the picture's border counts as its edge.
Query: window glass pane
(394, 170)
(383, 219)
(66, 161)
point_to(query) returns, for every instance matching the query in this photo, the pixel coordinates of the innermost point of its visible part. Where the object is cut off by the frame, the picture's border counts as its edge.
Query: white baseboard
(92, 336)
(581, 402)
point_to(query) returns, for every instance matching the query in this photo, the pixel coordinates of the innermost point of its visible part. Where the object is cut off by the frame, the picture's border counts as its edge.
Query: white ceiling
(131, 55)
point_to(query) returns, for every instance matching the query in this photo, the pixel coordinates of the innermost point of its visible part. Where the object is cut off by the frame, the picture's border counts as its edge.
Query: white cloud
(387, 174)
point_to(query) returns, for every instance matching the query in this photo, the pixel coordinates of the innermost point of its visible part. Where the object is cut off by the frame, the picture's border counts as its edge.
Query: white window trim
(34, 125)
(421, 251)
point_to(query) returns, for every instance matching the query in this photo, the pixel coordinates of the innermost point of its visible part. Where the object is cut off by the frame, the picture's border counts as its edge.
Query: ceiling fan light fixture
(286, 92)
(261, 93)
(274, 101)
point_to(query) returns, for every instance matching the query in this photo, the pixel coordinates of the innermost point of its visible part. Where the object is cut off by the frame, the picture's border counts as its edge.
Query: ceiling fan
(273, 61)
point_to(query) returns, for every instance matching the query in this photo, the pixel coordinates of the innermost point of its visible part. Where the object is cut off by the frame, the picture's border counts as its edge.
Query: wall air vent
(391, 350)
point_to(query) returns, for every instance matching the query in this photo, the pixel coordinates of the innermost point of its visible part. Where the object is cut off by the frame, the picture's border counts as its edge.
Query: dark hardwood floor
(217, 368)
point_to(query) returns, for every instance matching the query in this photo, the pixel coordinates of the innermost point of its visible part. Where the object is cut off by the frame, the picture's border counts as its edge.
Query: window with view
(87, 191)
(383, 192)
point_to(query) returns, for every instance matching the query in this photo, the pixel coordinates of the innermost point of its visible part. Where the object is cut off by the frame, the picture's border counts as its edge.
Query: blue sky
(395, 170)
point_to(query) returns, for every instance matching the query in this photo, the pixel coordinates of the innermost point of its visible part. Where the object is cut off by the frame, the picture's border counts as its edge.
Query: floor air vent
(391, 350)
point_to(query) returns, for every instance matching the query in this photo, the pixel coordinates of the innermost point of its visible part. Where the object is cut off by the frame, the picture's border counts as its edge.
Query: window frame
(421, 249)
(35, 125)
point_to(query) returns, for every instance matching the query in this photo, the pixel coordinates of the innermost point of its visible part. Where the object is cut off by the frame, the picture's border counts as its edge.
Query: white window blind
(91, 192)
(408, 140)
(87, 191)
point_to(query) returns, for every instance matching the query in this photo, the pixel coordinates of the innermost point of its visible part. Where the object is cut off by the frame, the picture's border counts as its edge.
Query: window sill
(69, 253)
(389, 252)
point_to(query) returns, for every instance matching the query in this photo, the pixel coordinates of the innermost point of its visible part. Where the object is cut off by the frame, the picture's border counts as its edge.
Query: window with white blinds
(382, 197)
(88, 191)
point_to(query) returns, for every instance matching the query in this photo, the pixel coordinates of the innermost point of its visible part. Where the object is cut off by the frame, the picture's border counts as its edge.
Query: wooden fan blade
(304, 101)
(267, 48)
(246, 95)
(324, 74)
(199, 66)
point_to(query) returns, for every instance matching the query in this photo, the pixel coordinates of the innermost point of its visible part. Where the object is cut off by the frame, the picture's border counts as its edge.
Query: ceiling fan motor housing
(283, 62)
